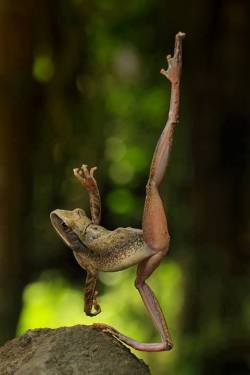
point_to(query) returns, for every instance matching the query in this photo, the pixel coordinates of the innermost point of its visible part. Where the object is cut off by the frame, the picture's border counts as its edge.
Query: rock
(68, 351)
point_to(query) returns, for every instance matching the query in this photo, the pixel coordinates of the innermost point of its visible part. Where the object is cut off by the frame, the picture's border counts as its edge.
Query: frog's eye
(64, 226)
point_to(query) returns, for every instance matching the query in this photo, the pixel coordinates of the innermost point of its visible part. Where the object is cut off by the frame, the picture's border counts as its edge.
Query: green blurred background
(80, 82)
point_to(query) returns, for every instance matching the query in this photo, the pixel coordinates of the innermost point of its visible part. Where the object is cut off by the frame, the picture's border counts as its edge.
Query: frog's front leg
(90, 295)
(155, 230)
(87, 179)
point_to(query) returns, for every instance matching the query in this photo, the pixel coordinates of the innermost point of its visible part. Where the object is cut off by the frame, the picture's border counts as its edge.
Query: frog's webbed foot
(175, 62)
(106, 328)
(86, 177)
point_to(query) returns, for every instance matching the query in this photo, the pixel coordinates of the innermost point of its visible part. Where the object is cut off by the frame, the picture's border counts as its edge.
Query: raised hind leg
(155, 230)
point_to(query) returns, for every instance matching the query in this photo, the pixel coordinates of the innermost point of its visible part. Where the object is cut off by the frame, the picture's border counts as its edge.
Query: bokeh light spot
(121, 172)
(137, 157)
(121, 201)
(43, 68)
(115, 148)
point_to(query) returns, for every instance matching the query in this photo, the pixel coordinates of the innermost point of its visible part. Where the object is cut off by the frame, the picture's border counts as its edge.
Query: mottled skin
(98, 249)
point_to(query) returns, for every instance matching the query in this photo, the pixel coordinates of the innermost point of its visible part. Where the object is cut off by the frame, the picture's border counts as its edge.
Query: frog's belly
(123, 258)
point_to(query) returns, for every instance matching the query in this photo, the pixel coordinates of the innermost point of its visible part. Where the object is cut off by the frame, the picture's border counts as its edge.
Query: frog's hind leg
(155, 230)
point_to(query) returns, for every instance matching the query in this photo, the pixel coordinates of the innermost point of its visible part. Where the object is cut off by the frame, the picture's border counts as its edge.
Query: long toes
(85, 170)
(104, 328)
(84, 167)
(77, 172)
(164, 72)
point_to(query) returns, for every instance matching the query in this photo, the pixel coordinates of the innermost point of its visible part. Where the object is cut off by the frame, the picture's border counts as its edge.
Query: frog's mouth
(67, 234)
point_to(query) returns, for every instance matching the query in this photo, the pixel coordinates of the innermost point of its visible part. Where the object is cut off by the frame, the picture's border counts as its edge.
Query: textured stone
(68, 351)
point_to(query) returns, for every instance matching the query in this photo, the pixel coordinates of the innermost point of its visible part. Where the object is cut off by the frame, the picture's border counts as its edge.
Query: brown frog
(99, 249)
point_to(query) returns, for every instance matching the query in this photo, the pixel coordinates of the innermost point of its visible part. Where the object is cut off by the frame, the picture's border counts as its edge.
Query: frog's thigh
(155, 229)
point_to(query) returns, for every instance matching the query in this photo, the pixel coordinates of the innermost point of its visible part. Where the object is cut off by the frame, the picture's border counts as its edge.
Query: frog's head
(71, 226)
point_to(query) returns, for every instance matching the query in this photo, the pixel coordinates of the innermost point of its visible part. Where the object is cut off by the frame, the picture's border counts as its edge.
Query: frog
(97, 249)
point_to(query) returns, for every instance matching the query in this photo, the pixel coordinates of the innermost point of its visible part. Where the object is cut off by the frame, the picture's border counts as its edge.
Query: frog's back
(117, 249)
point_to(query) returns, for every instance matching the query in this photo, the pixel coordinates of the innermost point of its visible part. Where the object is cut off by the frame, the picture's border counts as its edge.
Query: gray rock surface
(68, 351)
